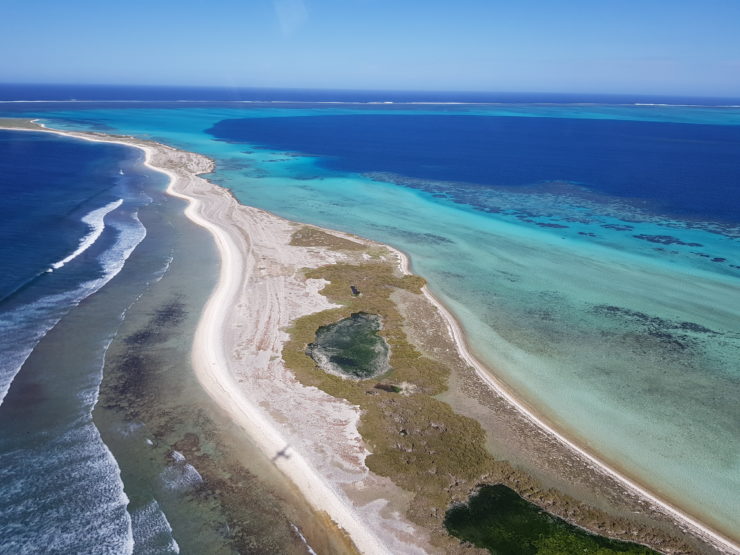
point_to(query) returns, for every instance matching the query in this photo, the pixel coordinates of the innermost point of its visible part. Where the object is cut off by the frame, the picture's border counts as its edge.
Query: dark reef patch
(665, 240)
(670, 335)
(171, 314)
(617, 227)
(653, 321)
(137, 367)
(428, 238)
(150, 389)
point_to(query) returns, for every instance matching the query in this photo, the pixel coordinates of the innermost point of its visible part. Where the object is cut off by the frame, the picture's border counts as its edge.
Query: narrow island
(342, 367)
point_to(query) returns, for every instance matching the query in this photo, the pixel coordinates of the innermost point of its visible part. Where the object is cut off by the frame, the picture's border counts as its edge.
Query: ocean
(69, 222)
(92, 460)
(588, 246)
(36, 92)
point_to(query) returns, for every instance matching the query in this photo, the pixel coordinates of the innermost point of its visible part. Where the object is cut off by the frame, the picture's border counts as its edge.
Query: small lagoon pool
(352, 347)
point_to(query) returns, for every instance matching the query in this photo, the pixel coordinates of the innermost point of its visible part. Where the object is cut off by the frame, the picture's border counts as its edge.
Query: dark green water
(352, 346)
(498, 519)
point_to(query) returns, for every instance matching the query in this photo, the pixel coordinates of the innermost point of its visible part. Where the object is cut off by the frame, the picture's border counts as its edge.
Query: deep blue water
(547, 299)
(38, 92)
(46, 186)
(688, 170)
(68, 222)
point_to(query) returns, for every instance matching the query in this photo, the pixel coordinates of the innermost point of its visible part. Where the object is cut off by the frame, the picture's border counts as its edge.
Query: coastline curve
(212, 370)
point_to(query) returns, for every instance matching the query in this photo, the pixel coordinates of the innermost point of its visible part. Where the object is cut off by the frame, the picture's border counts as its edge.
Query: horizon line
(369, 90)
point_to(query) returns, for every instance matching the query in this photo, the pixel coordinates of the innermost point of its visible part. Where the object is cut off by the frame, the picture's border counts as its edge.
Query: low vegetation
(415, 439)
(313, 237)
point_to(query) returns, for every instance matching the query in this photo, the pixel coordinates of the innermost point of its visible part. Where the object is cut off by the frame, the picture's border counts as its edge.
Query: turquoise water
(629, 345)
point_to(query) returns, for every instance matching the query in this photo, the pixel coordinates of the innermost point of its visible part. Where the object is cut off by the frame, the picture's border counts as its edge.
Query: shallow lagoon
(628, 344)
(497, 519)
(351, 347)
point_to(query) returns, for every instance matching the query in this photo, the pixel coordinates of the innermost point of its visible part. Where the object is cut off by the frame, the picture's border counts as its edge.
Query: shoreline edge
(212, 370)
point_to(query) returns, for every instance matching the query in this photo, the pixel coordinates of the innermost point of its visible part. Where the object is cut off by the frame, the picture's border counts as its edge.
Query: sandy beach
(311, 437)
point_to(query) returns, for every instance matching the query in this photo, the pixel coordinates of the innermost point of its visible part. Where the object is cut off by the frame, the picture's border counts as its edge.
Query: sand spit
(310, 436)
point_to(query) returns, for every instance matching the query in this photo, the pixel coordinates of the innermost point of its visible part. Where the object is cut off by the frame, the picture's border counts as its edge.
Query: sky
(675, 47)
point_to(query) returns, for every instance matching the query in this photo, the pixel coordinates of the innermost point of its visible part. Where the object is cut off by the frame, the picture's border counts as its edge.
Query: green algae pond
(351, 347)
(496, 518)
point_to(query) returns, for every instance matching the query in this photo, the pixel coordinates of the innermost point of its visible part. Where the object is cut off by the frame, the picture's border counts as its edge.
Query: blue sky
(604, 46)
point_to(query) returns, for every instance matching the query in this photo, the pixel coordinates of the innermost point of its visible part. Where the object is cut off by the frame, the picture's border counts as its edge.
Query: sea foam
(21, 328)
(152, 530)
(50, 486)
(96, 221)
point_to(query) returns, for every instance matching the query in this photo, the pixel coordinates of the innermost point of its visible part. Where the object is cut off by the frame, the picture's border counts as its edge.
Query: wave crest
(96, 221)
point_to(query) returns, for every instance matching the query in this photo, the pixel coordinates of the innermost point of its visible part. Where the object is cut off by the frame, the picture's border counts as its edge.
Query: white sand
(236, 355)
(310, 436)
